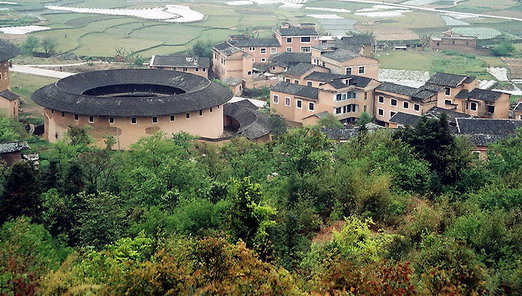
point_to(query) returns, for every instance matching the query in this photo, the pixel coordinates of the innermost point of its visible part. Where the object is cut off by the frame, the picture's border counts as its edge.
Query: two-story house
(9, 101)
(345, 97)
(281, 62)
(341, 60)
(183, 63)
(461, 93)
(391, 98)
(296, 74)
(261, 49)
(297, 38)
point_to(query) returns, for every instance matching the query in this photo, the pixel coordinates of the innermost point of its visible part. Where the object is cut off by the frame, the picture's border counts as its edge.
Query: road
(40, 72)
(434, 10)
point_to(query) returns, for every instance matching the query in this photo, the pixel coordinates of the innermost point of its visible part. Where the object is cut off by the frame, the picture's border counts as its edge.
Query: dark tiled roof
(297, 31)
(322, 76)
(297, 90)
(7, 50)
(487, 126)
(435, 112)
(256, 42)
(340, 134)
(69, 94)
(421, 93)
(179, 61)
(405, 119)
(341, 55)
(518, 107)
(11, 96)
(358, 40)
(483, 140)
(479, 94)
(359, 81)
(449, 80)
(252, 124)
(13, 147)
(299, 69)
(397, 89)
(227, 48)
(290, 58)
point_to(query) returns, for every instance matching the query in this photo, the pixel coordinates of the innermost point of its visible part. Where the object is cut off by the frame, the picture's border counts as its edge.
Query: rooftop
(9, 95)
(7, 50)
(299, 69)
(487, 126)
(489, 96)
(13, 147)
(132, 92)
(358, 40)
(179, 61)
(297, 90)
(341, 55)
(421, 93)
(290, 58)
(255, 42)
(405, 119)
(297, 31)
(449, 80)
(252, 123)
(227, 48)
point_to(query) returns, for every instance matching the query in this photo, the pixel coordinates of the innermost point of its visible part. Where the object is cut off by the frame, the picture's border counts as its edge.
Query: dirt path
(435, 10)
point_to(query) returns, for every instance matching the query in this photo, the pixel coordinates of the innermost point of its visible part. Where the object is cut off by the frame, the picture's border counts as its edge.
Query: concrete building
(183, 63)
(341, 60)
(454, 42)
(297, 38)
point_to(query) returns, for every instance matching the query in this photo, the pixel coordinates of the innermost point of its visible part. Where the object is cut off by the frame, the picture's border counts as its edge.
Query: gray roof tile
(9, 95)
(180, 61)
(297, 90)
(405, 119)
(449, 80)
(7, 50)
(255, 42)
(489, 96)
(297, 31)
(488, 126)
(13, 147)
(299, 69)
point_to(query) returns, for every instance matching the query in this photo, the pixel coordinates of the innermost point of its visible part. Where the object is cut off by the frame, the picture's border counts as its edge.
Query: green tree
(329, 121)
(10, 130)
(21, 193)
(202, 49)
(30, 45)
(505, 48)
(49, 45)
(364, 118)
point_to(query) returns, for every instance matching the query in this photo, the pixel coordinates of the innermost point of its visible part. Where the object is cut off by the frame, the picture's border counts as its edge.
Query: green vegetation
(383, 214)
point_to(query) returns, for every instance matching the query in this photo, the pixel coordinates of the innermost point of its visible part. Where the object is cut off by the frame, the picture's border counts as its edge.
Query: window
(288, 40)
(63, 114)
(52, 111)
(91, 119)
(309, 83)
(203, 69)
(111, 120)
(276, 99)
(187, 115)
(405, 105)
(249, 73)
(210, 110)
(311, 106)
(305, 40)
(273, 68)
(252, 49)
(393, 102)
(197, 69)
(351, 95)
(134, 120)
(263, 50)
(448, 102)
(172, 118)
(473, 106)
(380, 112)
(154, 119)
(263, 60)
(287, 80)
(200, 112)
(361, 70)
(438, 43)
(273, 50)
(296, 81)
(490, 109)
(305, 49)
(299, 104)
(338, 110)
(288, 49)
(447, 91)
(348, 71)
(381, 99)
(287, 101)
(185, 69)
(76, 117)
(452, 42)
(416, 107)
(392, 113)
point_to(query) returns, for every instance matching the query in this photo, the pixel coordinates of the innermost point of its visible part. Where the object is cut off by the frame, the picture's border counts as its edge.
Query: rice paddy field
(99, 35)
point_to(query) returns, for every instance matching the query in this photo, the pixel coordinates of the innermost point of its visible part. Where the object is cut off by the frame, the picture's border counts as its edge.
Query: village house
(9, 101)
(454, 42)
(346, 97)
(261, 49)
(297, 38)
(402, 119)
(281, 62)
(461, 93)
(341, 60)
(391, 98)
(297, 73)
(183, 63)
(11, 153)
